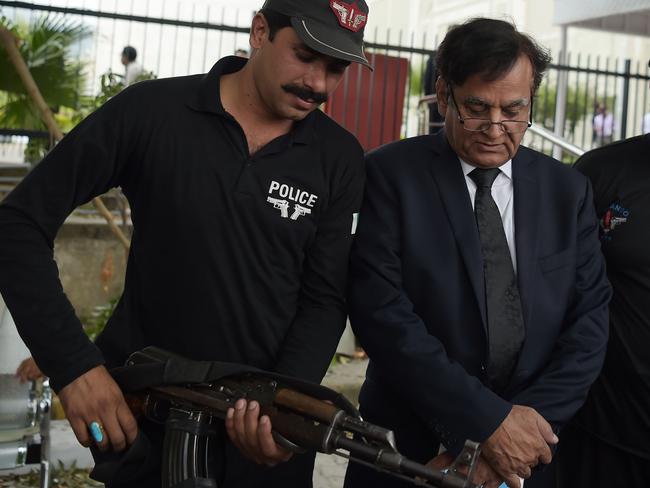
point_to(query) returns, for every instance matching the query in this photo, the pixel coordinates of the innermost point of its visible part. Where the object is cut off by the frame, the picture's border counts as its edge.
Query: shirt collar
(208, 98)
(506, 168)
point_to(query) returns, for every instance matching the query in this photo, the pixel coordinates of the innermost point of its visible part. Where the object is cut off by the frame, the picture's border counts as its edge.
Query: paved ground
(345, 376)
(329, 471)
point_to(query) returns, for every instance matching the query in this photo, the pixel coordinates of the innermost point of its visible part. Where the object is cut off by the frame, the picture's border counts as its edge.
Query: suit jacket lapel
(526, 214)
(450, 180)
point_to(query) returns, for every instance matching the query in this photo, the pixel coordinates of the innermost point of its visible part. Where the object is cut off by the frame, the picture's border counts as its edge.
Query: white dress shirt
(604, 125)
(131, 72)
(503, 195)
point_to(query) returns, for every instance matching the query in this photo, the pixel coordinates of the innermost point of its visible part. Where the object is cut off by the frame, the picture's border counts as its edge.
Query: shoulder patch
(615, 215)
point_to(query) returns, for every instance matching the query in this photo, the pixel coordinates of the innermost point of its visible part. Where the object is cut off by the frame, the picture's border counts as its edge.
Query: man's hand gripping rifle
(314, 418)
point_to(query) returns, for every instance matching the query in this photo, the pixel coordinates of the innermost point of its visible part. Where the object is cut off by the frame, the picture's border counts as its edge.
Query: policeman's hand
(520, 443)
(94, 402)
(28, 370)
(251, 434)
(483, 475)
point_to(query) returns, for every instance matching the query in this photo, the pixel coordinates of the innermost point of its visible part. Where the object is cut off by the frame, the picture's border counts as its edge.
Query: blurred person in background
(603, 126)
(132, 68)
(645, 124)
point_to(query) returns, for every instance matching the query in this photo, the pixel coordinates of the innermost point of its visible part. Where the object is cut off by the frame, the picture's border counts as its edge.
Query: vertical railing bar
(636, 99)
(586, 104)
(645, 94)
(396, 95)
(371, 97)
(160, 39)
(223, 16)
(596, 91)
(422, 70)
(576, 100)
(346, 84)
(95, 49)
(627, 64)
(144, 39)
(385, 87)
(129, 26)
(189, 55)
(205, 42)
(409, 81)
(357, 97)
(178, 14)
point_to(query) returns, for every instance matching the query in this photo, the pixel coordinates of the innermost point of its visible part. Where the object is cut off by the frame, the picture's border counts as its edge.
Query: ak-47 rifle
(301, 422)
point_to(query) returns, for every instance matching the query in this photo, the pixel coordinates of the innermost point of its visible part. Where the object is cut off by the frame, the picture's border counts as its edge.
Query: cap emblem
(349, 15)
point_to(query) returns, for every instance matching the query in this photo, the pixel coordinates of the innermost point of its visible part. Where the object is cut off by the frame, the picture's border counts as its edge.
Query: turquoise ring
(97, 432)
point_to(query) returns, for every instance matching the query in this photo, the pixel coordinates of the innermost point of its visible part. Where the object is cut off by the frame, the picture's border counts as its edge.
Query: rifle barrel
(393, 461)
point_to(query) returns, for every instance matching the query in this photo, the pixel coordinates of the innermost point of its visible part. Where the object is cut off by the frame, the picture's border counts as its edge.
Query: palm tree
(45, 46)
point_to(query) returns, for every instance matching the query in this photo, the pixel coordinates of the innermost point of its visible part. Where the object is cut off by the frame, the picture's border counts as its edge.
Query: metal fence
(172, 38)
(177, 38)
(620, 86)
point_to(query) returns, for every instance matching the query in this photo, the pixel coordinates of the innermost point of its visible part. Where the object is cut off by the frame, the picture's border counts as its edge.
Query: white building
(536, 17)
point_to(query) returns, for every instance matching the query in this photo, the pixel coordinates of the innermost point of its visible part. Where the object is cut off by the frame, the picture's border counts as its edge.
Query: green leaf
(46, 47)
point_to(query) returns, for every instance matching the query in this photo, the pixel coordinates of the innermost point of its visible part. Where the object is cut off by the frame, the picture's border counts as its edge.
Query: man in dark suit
(477, 284)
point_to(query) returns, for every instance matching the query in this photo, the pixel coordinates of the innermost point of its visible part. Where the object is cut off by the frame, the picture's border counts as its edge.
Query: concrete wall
(91, 265)
(12, 348)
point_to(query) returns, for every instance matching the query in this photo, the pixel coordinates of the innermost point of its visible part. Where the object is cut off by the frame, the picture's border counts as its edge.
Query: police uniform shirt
(234, 257)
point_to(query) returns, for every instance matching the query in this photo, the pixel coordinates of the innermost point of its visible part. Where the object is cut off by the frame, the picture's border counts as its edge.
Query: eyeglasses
(477, 124)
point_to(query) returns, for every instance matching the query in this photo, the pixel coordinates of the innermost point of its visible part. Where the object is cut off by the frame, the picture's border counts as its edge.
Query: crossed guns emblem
(283, 207)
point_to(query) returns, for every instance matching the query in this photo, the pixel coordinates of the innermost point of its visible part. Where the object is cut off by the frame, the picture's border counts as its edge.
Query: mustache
(305, 93)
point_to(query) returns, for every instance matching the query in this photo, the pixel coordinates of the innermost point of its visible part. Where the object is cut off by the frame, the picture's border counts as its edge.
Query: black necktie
(505, 320)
